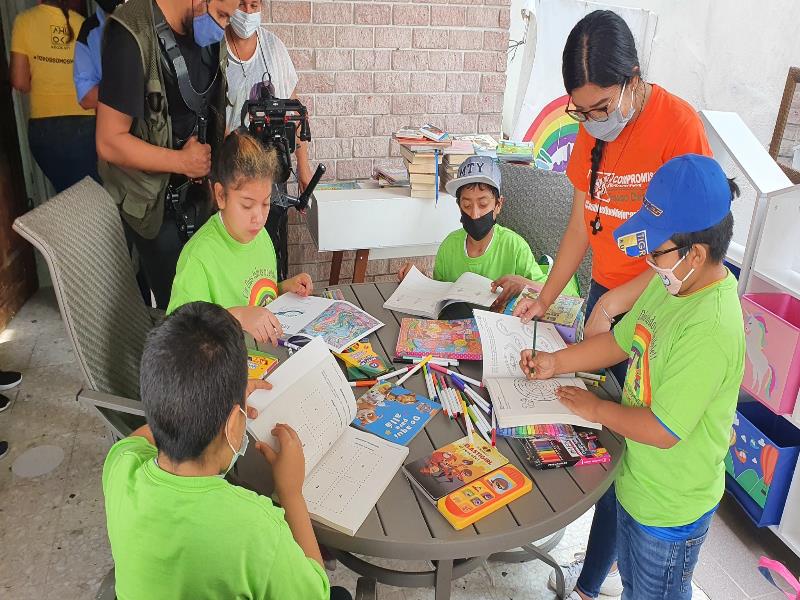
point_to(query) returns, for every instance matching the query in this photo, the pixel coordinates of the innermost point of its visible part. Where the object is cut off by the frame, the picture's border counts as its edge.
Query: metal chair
(79, 233)
(538, 205)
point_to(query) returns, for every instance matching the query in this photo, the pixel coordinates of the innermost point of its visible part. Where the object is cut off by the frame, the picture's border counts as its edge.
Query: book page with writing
(521, 401)
(503, 337)
(419, 295)
(311, 394)
(345, 485)
(295, 312)
(472, 289)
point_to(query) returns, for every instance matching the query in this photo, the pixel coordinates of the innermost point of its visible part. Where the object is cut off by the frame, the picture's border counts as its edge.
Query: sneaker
(3, 449)
(5, 402)
(9, 379)
(611, 586)
(574, 596)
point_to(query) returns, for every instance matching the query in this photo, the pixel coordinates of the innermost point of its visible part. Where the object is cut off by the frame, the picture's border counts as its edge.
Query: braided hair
(601, 50)
(64, 6)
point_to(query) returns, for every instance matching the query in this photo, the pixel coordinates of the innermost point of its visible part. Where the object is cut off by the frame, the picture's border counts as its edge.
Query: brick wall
(368, 68)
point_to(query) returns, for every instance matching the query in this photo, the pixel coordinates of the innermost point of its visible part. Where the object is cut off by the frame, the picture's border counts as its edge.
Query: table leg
(360, 267)
(444, 579)
(336, 267)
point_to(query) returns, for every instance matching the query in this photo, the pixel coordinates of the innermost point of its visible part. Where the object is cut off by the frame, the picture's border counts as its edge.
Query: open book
(346, 470)
(338, 322)
(516, 400)
(424, 297)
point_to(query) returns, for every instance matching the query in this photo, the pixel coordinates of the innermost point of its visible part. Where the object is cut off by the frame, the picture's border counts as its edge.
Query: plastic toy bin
(772, 363)
(761, 461)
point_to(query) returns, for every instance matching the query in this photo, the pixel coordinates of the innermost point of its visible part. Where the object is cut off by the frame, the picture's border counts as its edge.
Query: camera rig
(274, 122)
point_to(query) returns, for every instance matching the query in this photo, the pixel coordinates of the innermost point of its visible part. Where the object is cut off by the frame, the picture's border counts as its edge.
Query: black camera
(274, 122)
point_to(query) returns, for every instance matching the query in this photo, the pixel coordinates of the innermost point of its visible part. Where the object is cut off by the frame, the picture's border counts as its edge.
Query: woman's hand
(527, 309)
(598, 322)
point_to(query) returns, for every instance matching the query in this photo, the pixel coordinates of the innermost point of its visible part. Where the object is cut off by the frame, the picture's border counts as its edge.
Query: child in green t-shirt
(481, 246)
(177, 528)
(230, 261)
(684, 342)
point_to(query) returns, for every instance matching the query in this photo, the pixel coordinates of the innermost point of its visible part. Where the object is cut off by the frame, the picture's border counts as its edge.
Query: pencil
(533, 350)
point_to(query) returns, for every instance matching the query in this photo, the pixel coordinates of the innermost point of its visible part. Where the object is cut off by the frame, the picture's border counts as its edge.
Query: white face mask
(242, 447)
(245, 24)
(668, 277)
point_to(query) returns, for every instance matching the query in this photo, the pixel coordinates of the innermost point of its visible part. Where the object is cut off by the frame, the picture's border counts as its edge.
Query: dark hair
(717, 237)
(601, 50)
(478, 186)
(193, 372)
(64, 6)
(242, 158)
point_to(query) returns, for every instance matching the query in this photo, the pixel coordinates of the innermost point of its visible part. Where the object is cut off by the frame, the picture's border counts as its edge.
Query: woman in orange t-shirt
(629, 128)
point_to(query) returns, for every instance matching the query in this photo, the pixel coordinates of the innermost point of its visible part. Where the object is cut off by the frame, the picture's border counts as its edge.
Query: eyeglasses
(658, 253)
(596, 114)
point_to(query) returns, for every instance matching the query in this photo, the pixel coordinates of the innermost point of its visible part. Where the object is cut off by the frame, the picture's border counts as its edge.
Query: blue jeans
(601, 550)
(654, 569)
(595, 291)
(64, 148)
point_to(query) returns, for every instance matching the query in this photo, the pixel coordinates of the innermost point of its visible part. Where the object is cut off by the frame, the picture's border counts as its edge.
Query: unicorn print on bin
(762, 373)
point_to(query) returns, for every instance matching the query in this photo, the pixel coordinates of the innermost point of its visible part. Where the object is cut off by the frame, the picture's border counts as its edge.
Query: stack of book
(389, 177)
(422, 163)
(454, 155)
(518, 152)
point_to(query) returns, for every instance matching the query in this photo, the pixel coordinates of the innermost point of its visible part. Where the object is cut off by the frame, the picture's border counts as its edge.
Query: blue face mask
(206, 30)
(242, 447)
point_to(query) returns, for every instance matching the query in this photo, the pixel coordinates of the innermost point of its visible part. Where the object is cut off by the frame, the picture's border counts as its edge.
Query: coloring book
(457, 338)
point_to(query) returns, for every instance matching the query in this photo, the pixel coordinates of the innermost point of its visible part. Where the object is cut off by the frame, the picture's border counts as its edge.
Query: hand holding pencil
(542, 365)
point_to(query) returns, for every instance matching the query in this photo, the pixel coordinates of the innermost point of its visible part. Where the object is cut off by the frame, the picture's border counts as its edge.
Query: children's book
(484, 496)
(425, 297)
(517, 400)
(433, 133)
(260, 364)
(449, 468)
(393, 412)
(346, 470)
(482, 141)
(457, 338)
(390, 177)
(361, 356)
(582, 448)
(423, 154)
(338, 322)
(564, 311)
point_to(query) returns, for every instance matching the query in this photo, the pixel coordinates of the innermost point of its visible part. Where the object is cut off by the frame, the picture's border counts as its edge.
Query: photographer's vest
(140, 194)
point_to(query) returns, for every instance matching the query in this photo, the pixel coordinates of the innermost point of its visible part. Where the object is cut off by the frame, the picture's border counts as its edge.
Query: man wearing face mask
(257, 57)
(482, 246)
(164, 486)
(160, 117)
(684, 339)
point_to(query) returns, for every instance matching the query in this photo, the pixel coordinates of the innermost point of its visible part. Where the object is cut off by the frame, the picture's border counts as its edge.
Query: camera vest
(140, 194)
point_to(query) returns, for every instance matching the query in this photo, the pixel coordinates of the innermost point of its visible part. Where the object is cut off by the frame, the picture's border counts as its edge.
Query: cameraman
(162, 93)
(257, 56)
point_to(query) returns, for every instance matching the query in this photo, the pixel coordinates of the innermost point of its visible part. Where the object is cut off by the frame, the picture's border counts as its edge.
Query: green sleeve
(190, 284)
(135, 447)
(692, 377)
(439, 262)
(527, 265)
(293, 574)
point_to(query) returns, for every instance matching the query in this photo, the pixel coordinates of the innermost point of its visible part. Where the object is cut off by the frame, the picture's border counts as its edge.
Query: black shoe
(3, 449)
(9, 379)
(4, 402)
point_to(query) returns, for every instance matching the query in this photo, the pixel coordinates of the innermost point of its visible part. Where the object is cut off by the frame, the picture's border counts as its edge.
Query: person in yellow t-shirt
(60, 132)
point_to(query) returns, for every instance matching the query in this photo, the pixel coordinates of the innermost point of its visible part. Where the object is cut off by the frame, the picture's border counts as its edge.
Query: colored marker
(393, 374)
(469, 380)
(414, 369)
(444, 362)
(428, 383)
(363, 383)
(288, 345)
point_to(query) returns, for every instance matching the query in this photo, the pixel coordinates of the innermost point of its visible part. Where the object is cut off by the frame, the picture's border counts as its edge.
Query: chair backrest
(79, 233)
(538, 205)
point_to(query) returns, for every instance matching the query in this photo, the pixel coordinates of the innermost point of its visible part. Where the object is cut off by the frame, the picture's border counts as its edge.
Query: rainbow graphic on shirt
(263, 292)
(553, 134)
(636, 391)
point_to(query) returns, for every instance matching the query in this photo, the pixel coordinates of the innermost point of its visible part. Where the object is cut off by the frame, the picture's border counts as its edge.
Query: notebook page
(418, 295)
(345, 485)
(311, 394)
(295, 312)
(503, 337)
(473, 289)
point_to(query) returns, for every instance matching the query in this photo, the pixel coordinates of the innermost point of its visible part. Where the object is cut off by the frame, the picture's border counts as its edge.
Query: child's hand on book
(288, 463)
(541, 366)
(259, 322)
(299, 284)
(582, 402)
(401, 274)
(252, 386)
(511, 285)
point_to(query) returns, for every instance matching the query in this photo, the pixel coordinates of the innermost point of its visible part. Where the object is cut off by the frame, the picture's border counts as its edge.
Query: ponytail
(242, 158)
(64, 6)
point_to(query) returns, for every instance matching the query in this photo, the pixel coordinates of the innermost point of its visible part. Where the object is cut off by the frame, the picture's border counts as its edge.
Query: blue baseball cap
(687, 194)
(476, 169)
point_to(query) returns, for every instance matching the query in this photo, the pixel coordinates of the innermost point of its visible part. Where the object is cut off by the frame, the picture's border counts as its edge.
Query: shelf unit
(766, 259)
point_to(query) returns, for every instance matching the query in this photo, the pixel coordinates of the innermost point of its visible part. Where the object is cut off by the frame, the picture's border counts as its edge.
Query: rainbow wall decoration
(553, 134)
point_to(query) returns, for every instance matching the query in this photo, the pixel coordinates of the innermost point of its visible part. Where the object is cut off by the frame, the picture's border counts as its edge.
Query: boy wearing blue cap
(684, 342)
(481, 246)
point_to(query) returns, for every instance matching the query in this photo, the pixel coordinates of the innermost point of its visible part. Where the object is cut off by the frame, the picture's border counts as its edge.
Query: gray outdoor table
(404, 525)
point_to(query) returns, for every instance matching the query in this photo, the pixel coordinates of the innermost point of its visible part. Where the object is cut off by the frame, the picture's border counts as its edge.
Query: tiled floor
(52, 528)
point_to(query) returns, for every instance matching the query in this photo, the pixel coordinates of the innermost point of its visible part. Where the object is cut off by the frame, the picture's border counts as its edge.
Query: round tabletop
(405, 525)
